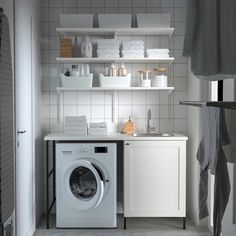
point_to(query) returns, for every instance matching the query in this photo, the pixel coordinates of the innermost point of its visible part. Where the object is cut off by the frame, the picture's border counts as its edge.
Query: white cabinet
(155, 179)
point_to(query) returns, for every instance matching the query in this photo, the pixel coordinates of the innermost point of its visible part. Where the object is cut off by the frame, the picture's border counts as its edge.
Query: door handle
(21, 131)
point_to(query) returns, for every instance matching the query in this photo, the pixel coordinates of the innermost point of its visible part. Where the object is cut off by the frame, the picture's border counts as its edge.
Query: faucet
(149, 117)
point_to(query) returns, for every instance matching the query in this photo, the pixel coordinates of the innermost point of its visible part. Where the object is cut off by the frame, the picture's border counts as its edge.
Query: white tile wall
(167, 115)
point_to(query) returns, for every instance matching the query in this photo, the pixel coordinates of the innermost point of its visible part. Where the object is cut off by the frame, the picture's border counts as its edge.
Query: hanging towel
(210, 36)
(211, 157)
(7, 187)
(230, 150)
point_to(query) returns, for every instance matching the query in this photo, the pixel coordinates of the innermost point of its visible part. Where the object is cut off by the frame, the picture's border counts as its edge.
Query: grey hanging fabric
(211, 156)
(6, 124)
(210, 36)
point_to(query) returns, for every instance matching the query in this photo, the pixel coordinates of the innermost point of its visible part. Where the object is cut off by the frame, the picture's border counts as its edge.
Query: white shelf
(116, 31)
(169, 89)
(117, 60)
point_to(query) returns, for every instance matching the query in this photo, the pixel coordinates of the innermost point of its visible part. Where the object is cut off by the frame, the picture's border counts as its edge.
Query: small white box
(76, 20)
(114, 81)
(77, 81)
(153, 20)
(114, 20)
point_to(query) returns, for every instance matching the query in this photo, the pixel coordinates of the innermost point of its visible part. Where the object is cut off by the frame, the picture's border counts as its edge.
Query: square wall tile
(84, 110)
(97, 98)
(139, 111)
(83, 3)
(125, 3)
(125, 111)
(70, 110)
(153, 3)
(139, 98)
(69, 98)
(140, 3)
(111, 3)
(125, 97)
(97, 112)
(84, 98)
(69, 3)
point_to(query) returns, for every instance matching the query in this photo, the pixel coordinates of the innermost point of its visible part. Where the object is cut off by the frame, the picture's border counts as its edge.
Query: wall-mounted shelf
(225, 105)
(117, 60)
(116, 31)
(168, 89)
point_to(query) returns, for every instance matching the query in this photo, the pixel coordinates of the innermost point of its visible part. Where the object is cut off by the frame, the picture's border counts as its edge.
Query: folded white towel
(108, 51)
(157, 55)
(133, 47)
(158, 50)
(98, 125)
(132, 51)
(130, 43)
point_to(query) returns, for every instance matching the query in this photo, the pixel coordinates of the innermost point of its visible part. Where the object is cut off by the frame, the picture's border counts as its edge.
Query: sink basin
(153, 135)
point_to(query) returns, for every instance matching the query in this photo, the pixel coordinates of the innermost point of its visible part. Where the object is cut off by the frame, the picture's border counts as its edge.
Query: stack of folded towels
(108, 48)
(132, 49)
(98, 128)
(76, 124)
(158, 53)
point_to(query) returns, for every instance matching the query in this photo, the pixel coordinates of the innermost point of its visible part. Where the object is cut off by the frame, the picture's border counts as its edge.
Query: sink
(153, 135)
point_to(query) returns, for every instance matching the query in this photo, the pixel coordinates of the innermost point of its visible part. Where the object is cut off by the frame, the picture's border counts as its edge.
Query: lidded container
(160, 78)
(145, 78)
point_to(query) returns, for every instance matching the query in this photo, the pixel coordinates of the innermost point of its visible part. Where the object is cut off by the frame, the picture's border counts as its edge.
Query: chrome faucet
(149, 117)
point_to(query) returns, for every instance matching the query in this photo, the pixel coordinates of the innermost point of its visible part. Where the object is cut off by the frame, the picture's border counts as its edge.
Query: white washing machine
(86, 185)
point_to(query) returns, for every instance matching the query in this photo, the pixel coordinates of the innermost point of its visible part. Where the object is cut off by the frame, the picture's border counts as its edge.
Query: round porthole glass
(83, 183)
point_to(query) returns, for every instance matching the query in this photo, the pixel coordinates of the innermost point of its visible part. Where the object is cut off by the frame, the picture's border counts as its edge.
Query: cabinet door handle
(21, 132)
(127, 144)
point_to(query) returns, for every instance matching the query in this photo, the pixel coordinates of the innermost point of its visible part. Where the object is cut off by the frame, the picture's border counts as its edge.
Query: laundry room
(117, 117)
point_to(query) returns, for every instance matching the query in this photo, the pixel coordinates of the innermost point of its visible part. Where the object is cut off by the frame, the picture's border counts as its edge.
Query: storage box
(114, 81)
(153, 20)
(76, 20)
(77, 81)
(114, 20)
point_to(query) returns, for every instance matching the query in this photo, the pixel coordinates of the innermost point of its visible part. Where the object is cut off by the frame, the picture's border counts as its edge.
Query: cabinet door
(154, 178)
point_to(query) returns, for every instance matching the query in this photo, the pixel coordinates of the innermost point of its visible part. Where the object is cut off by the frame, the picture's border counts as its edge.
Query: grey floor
(135, 227)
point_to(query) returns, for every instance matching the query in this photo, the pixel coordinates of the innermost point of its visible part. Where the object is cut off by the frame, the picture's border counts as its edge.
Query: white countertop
(110, 137)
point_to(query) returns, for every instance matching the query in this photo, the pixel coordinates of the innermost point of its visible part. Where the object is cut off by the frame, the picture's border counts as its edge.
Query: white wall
(197, 91)
(168, 115)
(33, 7)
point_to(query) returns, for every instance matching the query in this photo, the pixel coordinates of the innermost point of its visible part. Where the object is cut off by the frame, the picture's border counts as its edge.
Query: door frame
(19, 3)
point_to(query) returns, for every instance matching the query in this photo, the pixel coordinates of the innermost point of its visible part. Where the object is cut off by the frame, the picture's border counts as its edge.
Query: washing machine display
(86, 185)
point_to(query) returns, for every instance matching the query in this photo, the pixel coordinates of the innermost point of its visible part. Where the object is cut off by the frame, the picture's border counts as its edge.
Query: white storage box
(114, 81)
(153, 20)
(77, 81)
(114, 20)
(76, 20)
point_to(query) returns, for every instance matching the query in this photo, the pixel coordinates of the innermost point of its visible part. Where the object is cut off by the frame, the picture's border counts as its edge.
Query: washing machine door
(84, 185)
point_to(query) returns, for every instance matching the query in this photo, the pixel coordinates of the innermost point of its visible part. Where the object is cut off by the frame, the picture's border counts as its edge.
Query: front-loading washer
(86, 185)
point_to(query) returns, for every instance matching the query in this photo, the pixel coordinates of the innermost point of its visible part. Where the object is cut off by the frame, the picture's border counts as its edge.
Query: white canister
(159, 81)
(160, 78)
(145, 83)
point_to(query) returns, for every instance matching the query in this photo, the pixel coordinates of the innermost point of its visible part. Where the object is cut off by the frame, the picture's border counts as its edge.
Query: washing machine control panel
(94, 149)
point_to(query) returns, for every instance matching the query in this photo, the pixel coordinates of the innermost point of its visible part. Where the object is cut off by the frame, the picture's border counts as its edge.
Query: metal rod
(51, 206)
(220, 104)
(184, 223)
(47, 190)
(124, 222)
(54, 171)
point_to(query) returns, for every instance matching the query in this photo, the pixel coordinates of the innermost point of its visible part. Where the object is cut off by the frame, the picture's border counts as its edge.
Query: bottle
(67, 73)
(128, 127)
(75, 71)
(122, 70)
(112, 70)
(86, 47)
(76, 47)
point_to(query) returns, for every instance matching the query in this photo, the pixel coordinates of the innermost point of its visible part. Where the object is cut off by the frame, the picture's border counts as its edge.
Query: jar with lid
(112, 71)
(160, 78)
(145, 78)
(75, 70)
(122, 71)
